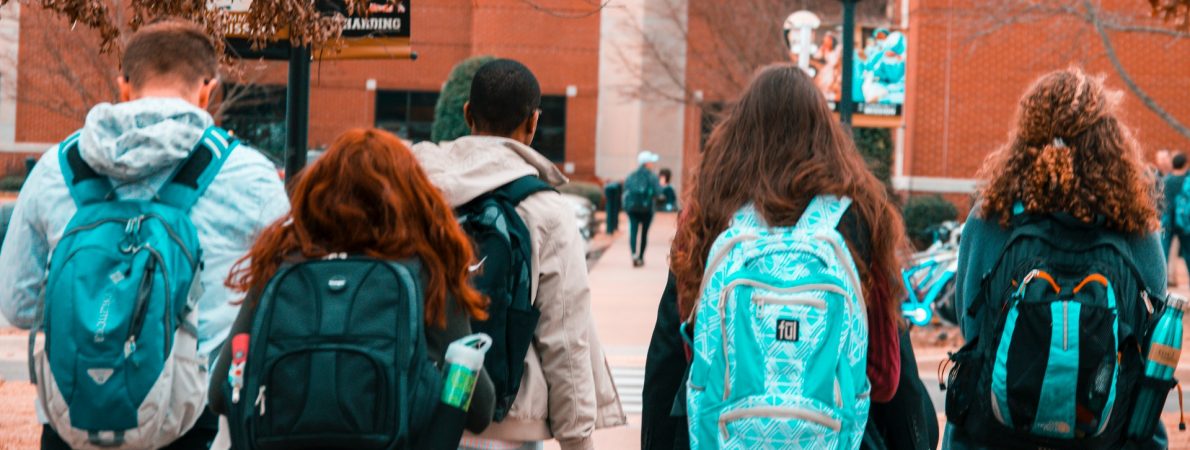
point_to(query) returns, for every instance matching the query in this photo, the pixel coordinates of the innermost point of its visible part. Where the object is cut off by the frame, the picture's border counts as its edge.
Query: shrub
(876, 146)
(448, 113)
(923, 213)
(590, 191)
(12, 183)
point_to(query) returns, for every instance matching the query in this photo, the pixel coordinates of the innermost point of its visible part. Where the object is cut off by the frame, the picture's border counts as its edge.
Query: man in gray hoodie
(169, 72)
(567, 391)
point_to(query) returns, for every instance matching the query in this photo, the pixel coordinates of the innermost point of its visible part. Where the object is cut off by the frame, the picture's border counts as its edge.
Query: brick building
(967, 64)
(395, 94)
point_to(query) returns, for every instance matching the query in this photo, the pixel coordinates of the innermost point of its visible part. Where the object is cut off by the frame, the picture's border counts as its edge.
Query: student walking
(561, 387)
(641, 190)
(363, 208)
(1175, 217)
(1061, 269)
(145, 209)
(785, 268)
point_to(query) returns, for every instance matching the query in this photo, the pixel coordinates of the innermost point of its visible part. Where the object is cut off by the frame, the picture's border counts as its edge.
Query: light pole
(846, 103)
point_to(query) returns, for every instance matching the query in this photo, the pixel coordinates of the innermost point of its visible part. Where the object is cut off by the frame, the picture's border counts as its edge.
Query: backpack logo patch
(100, 375)
(787, 330)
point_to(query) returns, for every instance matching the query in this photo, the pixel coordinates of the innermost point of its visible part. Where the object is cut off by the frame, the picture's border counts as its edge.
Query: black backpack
(1063, 315)
(503, 248)
(337, 359)
(639, 193)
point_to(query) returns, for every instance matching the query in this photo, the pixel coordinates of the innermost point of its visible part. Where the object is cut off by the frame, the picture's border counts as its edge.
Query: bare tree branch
(1128, 81)
(558, 12)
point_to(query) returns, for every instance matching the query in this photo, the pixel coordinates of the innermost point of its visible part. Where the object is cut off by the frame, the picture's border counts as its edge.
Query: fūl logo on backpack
(101, 325)
(787, 330)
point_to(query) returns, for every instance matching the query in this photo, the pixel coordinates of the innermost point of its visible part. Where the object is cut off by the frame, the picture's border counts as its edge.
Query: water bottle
(464, 359)
(1165, 348)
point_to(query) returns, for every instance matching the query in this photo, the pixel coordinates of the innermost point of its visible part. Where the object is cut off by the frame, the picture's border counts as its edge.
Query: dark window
(256, 115)
(408, 114)
(551, 128)
(712, 112)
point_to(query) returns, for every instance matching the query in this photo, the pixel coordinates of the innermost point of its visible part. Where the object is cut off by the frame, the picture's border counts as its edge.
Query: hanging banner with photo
(878, 75)
(383, 33)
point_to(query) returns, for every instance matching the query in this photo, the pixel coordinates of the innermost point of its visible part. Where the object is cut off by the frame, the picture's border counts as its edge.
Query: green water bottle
(1165, 348)
(464, 360)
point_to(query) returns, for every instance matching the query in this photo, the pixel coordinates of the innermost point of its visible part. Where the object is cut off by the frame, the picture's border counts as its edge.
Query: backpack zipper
(260, 399)
(777, 412)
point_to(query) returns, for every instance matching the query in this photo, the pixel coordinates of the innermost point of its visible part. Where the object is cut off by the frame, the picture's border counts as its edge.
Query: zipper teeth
(777, 412)
(816, 303)
(168, 302)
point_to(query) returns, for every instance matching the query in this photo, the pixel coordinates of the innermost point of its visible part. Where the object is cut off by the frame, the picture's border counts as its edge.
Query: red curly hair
(368, 195)
(1069, 153)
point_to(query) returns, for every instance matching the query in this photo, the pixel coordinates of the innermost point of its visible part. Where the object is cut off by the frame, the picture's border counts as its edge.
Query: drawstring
(942, 370)
(1181, 410)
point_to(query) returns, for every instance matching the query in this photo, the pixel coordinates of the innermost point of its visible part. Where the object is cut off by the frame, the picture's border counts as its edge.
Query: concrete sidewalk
(624, 303)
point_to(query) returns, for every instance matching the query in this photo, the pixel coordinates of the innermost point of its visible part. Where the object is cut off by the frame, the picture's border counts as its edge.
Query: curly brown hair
(1070, 153)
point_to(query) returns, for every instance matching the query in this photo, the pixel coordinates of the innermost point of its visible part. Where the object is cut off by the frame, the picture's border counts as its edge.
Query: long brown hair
(1069, 153)
(778, 147)
(368, 195)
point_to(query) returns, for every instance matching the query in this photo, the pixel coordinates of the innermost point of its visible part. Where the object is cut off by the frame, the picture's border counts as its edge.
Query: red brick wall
(949, 135)
(560, 51)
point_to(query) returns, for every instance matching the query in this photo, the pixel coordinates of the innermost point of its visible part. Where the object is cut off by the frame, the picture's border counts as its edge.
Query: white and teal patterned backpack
(780, 337)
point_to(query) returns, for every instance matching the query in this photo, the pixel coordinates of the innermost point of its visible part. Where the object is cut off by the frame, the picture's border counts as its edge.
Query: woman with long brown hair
(1068, 187)
(368, 196)
(777, 150)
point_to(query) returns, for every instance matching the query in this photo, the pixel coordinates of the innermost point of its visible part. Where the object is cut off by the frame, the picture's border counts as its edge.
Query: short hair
(504, 93)
(169, 50)
(1179, 161)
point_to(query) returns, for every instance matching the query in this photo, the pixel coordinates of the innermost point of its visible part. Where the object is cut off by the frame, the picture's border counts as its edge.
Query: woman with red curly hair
(367, 195)
(1074, 172)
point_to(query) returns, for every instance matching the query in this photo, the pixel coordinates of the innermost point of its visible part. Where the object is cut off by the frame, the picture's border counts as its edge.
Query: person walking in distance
(641, 189)
(146, 208)
(553, 382)
(1177, 203)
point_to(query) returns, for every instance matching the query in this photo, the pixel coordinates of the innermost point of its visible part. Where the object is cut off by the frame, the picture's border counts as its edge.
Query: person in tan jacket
(567, 390)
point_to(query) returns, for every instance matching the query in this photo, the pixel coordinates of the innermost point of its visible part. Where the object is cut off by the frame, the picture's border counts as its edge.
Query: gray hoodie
(567, 391)
(137, 145)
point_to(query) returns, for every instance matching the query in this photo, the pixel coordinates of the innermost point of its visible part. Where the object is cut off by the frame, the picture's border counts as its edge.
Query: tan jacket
(567, 391)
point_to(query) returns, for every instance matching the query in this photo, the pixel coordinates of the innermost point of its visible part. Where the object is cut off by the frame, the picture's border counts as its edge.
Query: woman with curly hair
(1071, 167)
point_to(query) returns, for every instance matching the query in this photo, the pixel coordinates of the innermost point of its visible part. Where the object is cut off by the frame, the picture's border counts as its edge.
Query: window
(551, 128)
(256, 115)
(408, 114)
(712, 112)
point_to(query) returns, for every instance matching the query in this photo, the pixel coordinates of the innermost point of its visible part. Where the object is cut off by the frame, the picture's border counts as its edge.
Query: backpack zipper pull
(260, 400)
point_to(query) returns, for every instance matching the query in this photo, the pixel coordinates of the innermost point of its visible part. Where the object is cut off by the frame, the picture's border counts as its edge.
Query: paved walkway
(624, 303)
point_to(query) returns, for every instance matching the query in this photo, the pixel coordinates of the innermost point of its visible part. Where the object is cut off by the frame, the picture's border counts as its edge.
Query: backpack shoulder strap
(824, 211)
(192, 177)
(86, 186)
(521, 188)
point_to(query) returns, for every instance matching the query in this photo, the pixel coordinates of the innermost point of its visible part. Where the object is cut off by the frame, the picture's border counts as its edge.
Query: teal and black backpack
(1057, 363)
(119, 366)
(503, 247)
(780, 337)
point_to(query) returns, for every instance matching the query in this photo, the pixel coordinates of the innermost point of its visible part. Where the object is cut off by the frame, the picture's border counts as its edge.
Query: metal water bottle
(1165, 348)
(464, 359)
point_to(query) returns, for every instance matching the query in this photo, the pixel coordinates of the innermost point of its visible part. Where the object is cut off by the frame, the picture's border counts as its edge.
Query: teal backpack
(780, 337)
(639, 193)
(119, 368)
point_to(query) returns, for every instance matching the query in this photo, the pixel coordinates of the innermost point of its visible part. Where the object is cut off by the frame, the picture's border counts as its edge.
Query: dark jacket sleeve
(217, 395)
(458, 325)
(884, 341)
(665, 369)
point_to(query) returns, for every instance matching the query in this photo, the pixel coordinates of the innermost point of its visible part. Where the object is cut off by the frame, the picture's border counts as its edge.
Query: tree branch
(1128, 81)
